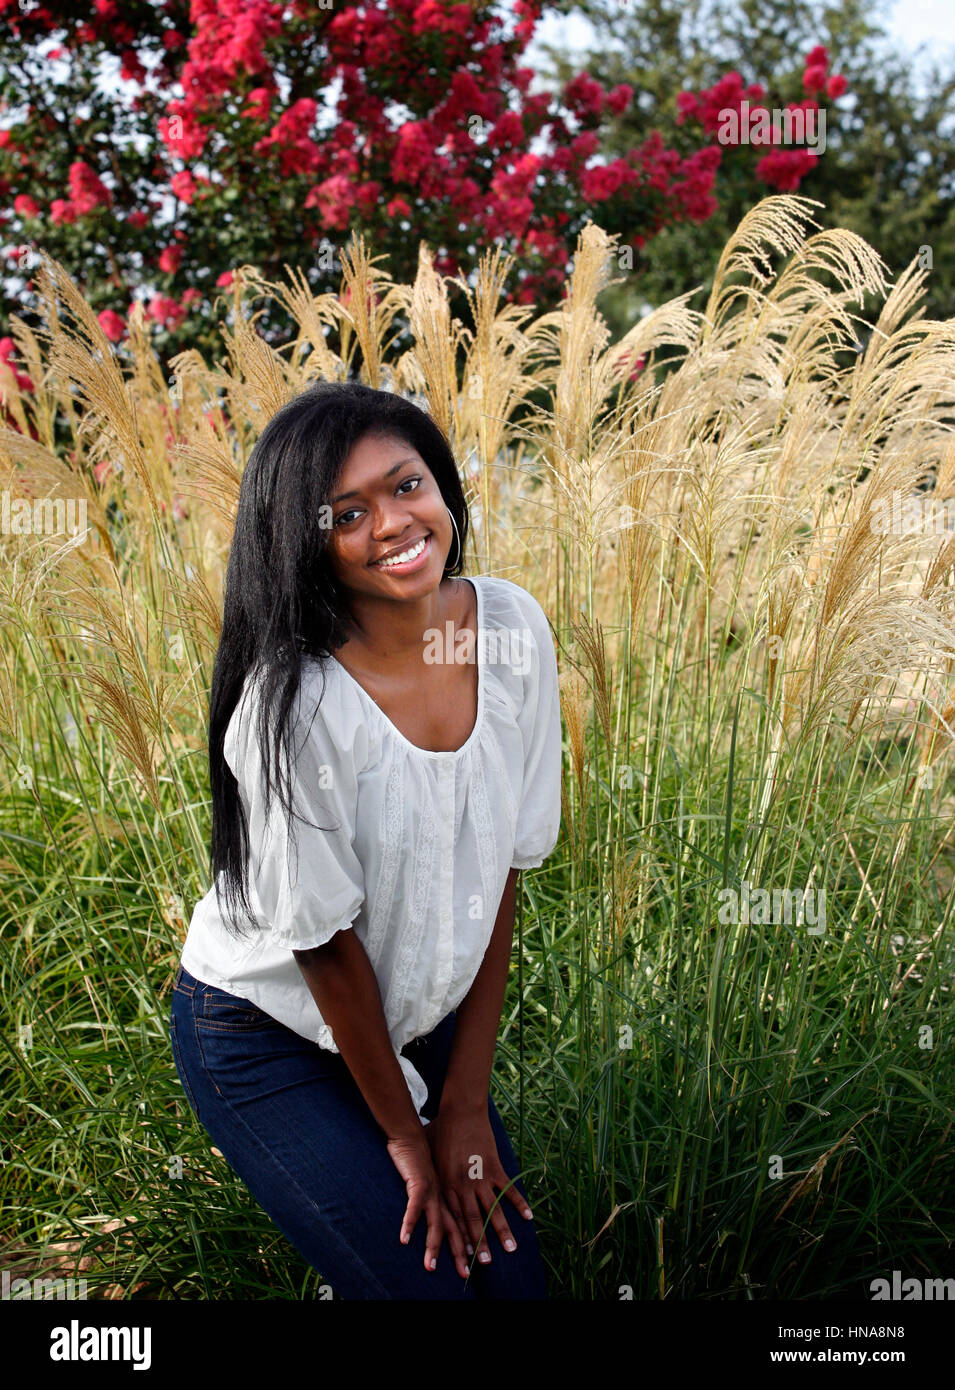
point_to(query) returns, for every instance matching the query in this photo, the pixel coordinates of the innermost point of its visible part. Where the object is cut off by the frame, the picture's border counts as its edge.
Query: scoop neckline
(479, 717)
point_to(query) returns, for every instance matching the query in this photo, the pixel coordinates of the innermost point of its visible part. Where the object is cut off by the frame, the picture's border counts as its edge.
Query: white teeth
(404, 557)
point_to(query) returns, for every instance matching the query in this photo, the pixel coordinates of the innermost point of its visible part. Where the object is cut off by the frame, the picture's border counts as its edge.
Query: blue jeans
(291, 1121)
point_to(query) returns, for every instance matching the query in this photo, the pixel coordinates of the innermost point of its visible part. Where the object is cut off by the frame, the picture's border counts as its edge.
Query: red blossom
(602, 181)
(131, 68)
(584, 95)
(169, 259)
(181, 132)
(258, 104)
(430, 15)
(618, 99)
(507, 132)
(298, 153)
(784, 168)
(165, 311)
(111, 324)
(87, 190)
(334, 198)
(183, 185)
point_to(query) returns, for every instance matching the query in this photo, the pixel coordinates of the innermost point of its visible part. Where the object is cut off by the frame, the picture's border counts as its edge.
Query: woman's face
(386, 503)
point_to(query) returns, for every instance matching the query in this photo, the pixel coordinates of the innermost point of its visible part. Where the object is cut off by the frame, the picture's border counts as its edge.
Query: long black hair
(282, 603)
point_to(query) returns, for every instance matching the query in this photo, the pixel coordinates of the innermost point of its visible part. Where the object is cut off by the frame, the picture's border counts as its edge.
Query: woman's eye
(343, 516)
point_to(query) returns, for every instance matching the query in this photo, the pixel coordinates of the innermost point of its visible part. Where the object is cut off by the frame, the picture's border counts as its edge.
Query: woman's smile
(412, 557)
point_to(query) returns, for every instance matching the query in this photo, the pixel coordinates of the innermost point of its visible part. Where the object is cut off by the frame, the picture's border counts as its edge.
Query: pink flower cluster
(781, 168)
(87, 192)
(816, 77)
(298, 153)
(708, 106)
(446, 53)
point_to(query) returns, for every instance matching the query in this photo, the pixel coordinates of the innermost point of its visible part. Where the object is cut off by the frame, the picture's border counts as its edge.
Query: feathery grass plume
(493, 380)
(367, 307)
(43, 400)
(312, 313)
(756, 686)
(81, 354)
(575, 708)
(11, 397)
(29, 468)
(496, 378)
(257, 378)
(436, 341)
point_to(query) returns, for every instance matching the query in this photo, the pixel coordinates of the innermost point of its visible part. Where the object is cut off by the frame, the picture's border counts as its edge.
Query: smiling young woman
(337, 1041)
(394, 577)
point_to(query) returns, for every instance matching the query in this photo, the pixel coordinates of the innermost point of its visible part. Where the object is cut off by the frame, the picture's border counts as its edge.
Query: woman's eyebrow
(393, 469)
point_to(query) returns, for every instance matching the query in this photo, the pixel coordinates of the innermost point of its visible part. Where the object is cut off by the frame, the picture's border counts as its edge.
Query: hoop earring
(457, 534)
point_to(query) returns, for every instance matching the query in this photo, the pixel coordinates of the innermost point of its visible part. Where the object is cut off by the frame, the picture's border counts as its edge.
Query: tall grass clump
(726, 1052)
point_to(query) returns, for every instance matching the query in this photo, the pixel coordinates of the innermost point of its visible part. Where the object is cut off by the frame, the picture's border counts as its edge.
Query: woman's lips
(409, 565)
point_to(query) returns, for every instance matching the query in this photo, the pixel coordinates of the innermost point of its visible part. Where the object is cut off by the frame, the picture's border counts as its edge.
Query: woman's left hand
(466, 1160)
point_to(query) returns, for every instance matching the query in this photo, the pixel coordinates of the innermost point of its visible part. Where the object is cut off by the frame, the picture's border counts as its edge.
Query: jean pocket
(219, 1011)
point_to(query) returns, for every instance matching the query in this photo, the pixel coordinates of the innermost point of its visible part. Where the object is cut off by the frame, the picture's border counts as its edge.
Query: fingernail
(484, 1257)
(469, 1249)
(433, 1262)
(528, 1213)
(509, 1244)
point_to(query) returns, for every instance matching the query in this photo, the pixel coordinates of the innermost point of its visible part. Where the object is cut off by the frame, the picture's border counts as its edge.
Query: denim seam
(177, 1056)
(215, 1025)
(238, 1120)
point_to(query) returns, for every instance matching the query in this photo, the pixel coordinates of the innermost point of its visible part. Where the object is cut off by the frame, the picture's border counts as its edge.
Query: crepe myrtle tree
(154, 146)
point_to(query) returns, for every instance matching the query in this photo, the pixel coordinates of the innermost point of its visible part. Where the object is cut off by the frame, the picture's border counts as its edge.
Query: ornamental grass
(725, 1054)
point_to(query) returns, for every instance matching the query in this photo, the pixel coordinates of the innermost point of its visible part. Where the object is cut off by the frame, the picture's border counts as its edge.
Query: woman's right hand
(412, 1158)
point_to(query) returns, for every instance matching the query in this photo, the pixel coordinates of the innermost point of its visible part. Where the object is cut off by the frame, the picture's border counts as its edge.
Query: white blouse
(417, 844)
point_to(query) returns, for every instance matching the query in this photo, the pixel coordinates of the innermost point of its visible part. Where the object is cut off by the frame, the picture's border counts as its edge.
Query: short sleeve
(538, 821)
(310, 884)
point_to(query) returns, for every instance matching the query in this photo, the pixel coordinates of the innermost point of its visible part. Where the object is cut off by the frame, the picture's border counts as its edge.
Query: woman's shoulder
(331, 700)
(504, 598)
(324, 709)
(516, 638)
(515, 613)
